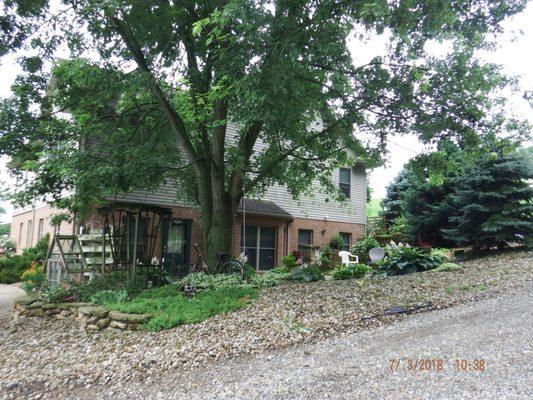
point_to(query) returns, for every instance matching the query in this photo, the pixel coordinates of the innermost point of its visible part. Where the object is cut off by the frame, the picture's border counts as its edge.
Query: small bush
(341, 272)
(269, 279)
(447, 267)
(109, 296)
(249, 271)
(203, 281)
(306, 273)
(12, 266)
(402, 260)
(33, 278)
(289, 261)
(363, 246)
(279, 270)
(443, 253)
(336, 242)
(56, 294)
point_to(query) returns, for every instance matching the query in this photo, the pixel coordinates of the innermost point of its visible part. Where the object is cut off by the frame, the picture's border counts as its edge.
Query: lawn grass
(170, 308)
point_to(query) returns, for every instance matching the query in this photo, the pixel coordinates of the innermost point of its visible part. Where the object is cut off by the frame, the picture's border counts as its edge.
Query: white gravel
(496, 330)
(53, 359)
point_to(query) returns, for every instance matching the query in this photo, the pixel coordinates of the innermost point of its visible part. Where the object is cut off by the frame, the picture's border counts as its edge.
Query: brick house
(167, 228)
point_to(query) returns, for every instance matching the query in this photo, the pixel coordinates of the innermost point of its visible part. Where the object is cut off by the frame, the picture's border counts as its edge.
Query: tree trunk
(217, 234)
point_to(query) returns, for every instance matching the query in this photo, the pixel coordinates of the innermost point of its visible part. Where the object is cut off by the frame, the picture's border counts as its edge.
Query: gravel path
(8, 294)
(53, 359)
(496, 330)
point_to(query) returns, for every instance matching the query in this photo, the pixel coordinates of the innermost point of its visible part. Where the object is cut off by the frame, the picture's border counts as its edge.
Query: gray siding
(319, 206)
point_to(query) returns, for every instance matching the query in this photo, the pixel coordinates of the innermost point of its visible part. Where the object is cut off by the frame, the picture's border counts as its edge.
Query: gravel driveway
(497, 331)
(52, 359)
(8, 294)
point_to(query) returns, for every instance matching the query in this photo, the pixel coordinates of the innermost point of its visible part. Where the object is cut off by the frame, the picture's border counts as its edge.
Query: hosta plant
(406, 260)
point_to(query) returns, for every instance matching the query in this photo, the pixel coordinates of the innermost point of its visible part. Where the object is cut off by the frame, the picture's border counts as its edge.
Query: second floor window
(344, 182)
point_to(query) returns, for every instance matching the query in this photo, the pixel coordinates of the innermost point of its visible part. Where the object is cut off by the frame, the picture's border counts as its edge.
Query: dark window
(305, 237)
(347, 238)
(260, 246)
(344, 182)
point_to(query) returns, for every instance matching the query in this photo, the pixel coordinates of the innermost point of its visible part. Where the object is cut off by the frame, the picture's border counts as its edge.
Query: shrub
(363, 246)
(9, 276)
(33, 278)
(406, 260)
(306, 273)
(203, 281)
(249, 271)
(448, 266)
(269, 278)
(279, 270)
(443, 253)
(400, 229)
(55, 293)
(109, 296)
(289, 261)
(336, 242)
(342, 272)
(12, 266)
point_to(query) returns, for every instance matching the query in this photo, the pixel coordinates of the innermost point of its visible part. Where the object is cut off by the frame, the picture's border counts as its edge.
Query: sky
(515, 54)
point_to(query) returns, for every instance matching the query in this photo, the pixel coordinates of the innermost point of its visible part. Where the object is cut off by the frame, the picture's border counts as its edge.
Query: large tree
(153, 85)
(494, 202)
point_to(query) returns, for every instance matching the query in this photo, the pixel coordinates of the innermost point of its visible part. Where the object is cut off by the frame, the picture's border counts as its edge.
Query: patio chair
(346, 255)
(376, 254)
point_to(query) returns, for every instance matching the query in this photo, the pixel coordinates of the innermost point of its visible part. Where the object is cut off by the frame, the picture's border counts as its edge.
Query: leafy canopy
(150, 87)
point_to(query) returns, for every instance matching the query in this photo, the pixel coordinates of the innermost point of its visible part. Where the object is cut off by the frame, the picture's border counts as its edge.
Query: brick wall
(24, 235)
(286, 235)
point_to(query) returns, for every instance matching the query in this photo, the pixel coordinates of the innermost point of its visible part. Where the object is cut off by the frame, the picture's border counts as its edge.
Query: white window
(345, 182)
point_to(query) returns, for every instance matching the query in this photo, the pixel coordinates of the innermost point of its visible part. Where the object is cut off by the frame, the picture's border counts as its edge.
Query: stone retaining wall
(90, 317)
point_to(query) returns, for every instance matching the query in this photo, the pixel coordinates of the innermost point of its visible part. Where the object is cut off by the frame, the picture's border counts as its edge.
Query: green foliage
(170, 308)
(12, 266)
(406, 260)
(109, 296)
(289, 261)
(362, 246)
(393, 202)
(447, 266)
(249, 271)
(269, 278)
(278, 270)
(272, 71)
(116, 281)
(209, 282)
(336, 242)
(494, 202)
(33, 278)
(443, 253)
(399, 229)
(341, 272)
(5, 229)
(56, 294)
(307, 273)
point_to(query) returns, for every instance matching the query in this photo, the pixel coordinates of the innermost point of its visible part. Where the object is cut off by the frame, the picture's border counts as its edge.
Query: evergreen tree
(427, 209)
(494, 202)
(393, 202)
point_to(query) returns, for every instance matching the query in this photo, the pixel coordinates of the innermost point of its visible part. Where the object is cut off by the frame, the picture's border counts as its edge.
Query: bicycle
(224, 265)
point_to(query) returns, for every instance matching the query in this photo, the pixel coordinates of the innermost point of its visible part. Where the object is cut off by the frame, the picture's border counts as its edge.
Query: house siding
(21, 219)
(319, 205)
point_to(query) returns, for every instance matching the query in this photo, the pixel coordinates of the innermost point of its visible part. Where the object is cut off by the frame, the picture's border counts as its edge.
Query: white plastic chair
(346, 255)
